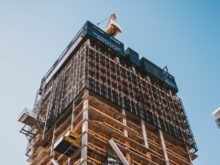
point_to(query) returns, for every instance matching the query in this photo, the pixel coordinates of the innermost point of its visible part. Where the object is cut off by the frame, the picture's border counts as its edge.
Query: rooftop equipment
(132, 56)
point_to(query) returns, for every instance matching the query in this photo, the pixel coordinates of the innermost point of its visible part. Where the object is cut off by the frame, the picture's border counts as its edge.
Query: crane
(112, 28)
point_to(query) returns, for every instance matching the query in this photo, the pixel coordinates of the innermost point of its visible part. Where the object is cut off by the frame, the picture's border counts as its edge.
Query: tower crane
(112, 28)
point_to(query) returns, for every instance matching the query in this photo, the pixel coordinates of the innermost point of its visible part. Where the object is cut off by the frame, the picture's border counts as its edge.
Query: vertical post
(71, 128)
(72, 116)
(69, 161)
(52, 153)
(53, 139)
(84, 142)
(144, 133)
(164, 147)
(126, 133)
(124, 122)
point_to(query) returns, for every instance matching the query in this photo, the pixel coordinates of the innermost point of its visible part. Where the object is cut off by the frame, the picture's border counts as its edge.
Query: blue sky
(181, 34)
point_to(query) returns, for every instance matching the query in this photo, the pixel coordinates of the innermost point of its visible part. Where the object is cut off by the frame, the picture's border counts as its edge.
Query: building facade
(99, 104)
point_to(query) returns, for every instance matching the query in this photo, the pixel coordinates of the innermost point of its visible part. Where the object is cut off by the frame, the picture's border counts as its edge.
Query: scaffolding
(101, 107)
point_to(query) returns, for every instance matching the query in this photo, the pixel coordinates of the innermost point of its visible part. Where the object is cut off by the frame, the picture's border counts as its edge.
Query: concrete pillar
(72, 117)
(164, 147)
(144, 133)
(70, 162)
(53, 139)
(84, 142)
(124, 122)
(128, 157)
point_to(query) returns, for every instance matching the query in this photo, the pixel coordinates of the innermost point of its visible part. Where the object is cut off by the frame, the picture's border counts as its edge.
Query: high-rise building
(101, 105)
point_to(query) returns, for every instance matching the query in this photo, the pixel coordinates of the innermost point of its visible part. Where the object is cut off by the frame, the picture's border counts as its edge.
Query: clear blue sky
(182, 34)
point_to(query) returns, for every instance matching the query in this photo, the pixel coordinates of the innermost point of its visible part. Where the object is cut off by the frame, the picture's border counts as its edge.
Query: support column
(144, 133)
(128, 157)
(72, 117)
(84, 142)
(70, 161)
(53, 139)
(164, 147)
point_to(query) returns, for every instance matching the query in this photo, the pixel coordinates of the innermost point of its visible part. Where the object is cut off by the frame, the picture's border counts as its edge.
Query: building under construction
(102, 105)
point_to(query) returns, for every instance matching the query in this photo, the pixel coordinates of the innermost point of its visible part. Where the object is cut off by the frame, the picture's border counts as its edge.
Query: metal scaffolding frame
(101, 96)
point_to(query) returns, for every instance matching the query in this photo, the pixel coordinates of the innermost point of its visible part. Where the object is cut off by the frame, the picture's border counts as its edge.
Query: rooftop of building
(111, 42)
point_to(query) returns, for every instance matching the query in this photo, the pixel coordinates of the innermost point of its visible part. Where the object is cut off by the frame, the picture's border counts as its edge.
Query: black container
(132, 56)
(158, 73)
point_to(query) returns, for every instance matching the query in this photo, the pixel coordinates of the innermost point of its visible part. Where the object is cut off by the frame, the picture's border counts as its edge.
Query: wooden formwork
(107, 122)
